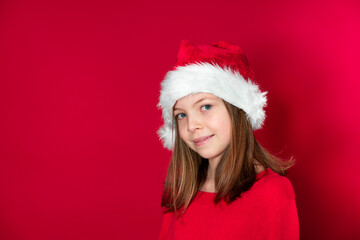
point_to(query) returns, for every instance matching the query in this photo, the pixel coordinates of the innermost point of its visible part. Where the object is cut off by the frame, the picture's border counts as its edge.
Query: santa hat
(221, 69)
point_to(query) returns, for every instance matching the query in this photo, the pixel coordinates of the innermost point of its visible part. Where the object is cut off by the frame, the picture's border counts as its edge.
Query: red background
(79, 84)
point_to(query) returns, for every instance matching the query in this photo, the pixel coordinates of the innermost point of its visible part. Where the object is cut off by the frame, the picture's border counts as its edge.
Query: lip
(202, 140)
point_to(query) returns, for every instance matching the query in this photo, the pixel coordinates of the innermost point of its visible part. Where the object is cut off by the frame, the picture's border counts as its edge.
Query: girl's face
(204, 124)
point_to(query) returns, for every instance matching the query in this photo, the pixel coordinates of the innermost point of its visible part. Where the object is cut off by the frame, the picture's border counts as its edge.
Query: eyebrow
(202, 99)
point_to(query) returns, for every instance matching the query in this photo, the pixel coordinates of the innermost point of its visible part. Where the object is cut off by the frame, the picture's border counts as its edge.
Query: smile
(202, 140)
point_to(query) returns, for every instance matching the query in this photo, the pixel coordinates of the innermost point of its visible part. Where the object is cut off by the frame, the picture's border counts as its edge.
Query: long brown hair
(235, 172)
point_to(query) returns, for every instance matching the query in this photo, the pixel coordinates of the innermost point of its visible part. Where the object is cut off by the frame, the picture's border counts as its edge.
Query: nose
(193, 123)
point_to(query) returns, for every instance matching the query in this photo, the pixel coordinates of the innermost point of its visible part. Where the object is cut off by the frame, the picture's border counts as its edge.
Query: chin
(208, 155)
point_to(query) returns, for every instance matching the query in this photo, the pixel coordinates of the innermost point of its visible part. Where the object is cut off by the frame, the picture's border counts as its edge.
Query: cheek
(228, 134)
(228, 129)
(219, 123)
(182, 132)
(223, 127)
(185, 137)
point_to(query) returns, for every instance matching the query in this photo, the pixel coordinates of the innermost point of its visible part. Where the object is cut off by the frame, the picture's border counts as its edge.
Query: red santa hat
(221, 69)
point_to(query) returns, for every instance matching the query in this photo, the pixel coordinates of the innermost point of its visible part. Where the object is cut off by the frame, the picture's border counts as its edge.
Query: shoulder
(273, 186)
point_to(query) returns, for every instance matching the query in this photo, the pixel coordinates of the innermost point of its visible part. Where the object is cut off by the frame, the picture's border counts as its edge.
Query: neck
(212, 167)
(209, 185)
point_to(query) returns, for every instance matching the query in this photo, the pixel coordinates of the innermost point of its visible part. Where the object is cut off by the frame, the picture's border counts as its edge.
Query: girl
(220, 184)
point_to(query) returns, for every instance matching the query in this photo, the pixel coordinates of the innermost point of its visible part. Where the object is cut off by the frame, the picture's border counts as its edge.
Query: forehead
(193, 98)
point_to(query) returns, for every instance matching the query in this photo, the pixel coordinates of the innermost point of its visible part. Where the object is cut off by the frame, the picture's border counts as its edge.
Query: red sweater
(266, 211)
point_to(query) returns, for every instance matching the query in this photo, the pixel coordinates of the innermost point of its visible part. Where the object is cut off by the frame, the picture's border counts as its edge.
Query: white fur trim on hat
(224, 83)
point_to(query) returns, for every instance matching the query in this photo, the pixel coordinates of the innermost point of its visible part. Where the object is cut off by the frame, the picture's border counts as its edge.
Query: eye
(180, 116)
(206, 107)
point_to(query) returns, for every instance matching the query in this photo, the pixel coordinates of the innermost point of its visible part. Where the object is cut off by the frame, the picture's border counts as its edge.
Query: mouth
(202, 140)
